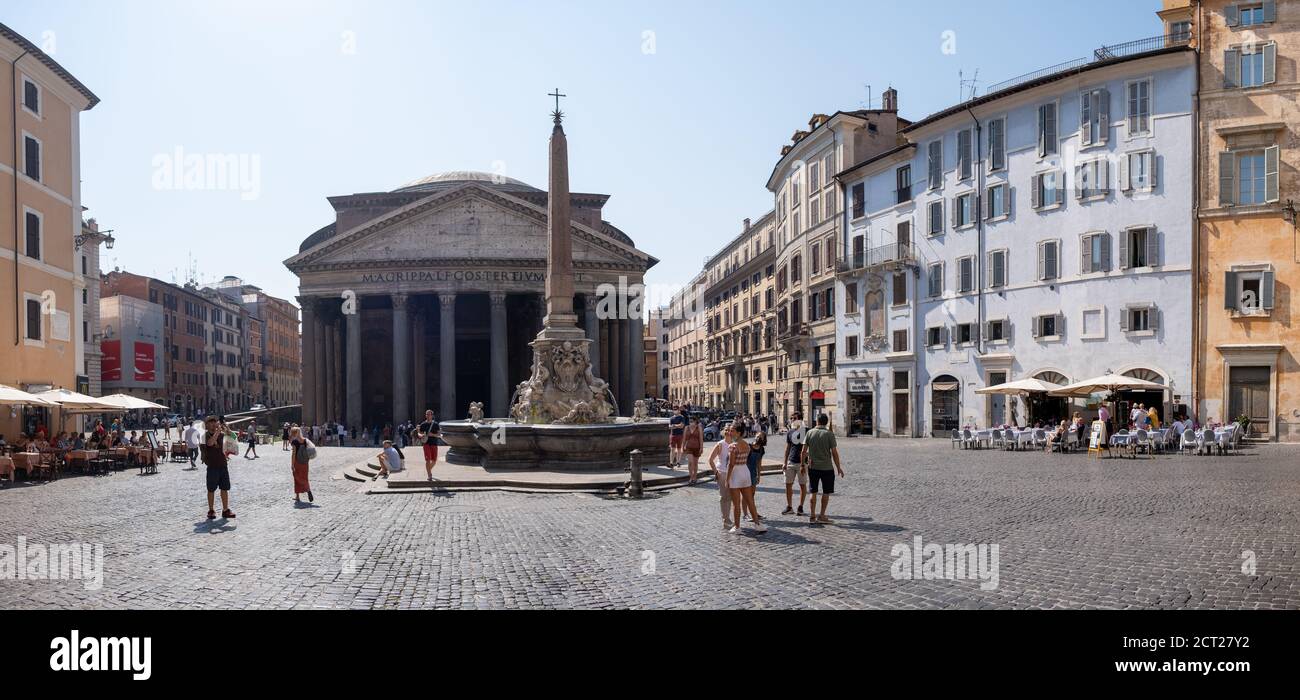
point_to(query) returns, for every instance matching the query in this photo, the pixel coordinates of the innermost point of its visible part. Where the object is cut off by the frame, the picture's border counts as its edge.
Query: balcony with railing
(893, 254)
(1103, 53)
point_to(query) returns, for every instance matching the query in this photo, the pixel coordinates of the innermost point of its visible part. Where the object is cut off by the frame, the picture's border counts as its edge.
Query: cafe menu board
(1098, 435)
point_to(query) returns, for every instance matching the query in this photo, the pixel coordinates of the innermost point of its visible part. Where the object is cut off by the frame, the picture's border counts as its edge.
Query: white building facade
(1044, 230)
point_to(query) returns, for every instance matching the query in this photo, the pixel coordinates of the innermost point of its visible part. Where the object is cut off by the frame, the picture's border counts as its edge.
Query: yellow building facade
(40, 219)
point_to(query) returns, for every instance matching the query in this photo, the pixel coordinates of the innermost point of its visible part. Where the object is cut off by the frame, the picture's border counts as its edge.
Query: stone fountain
(563, 416)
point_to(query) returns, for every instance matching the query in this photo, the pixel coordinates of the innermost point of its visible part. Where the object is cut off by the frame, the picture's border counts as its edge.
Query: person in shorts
(213, 452)
(676, 436)
(794, 468)
(427, 433)
(823, 459)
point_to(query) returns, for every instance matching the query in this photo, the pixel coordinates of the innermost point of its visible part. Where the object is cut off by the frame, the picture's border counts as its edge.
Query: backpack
(308, 450)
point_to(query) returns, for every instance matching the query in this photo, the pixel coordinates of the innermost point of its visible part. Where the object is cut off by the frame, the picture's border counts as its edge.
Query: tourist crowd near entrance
(429, 296)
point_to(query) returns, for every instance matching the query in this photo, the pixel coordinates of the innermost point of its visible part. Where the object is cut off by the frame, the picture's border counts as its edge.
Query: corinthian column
(308, 374)
(447, 351)
(401, 360)
(593, 334)
(500, 388)
(353, 322)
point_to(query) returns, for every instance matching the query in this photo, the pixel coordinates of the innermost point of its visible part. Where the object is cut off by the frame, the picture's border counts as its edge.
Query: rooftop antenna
(973, 84)
(868, 105)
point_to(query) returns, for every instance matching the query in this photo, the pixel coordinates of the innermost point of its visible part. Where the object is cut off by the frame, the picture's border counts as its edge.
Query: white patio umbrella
(10, 396)
(1108, 383)
(72, 400)
(1020, 387)
(126, 402)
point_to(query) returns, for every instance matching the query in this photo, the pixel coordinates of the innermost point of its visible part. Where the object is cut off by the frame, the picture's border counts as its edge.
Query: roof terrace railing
(1104, 53)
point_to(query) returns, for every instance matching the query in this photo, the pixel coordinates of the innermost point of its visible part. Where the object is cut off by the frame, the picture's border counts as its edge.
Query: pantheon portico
(428, 296)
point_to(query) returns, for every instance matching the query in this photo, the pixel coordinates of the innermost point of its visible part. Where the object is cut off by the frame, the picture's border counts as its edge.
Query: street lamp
(1289, 213)
(81, 238)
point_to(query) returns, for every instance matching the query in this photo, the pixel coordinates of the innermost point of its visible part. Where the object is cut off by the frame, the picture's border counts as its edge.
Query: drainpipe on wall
(979, 228)
(13, 72)
(1197, 306)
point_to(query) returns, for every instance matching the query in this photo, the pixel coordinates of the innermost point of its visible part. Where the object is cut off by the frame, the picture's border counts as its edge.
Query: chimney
(746, 224)
(889, 100)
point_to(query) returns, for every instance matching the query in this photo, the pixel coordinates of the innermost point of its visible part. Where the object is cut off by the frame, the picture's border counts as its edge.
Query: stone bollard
(634, 488)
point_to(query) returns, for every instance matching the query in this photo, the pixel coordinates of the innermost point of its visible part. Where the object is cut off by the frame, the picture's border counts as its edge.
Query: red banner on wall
(144, 364)
(111, 363)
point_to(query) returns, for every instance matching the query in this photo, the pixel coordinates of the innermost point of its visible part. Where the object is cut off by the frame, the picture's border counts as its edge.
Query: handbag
(308, 450)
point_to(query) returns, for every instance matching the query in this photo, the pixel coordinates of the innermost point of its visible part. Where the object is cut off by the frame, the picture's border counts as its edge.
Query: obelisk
(562, 388)
(560, 322)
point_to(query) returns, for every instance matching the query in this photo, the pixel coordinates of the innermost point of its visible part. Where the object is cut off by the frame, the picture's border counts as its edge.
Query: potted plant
(1244, 421)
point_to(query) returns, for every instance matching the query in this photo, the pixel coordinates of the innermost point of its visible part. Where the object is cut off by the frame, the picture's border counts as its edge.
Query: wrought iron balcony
(880, 256)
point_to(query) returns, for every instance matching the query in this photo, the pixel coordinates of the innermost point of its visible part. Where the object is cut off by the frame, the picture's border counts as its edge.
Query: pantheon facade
(428, 296)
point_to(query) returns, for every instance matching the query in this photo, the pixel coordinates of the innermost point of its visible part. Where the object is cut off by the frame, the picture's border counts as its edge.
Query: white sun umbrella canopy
(10, 396)
(1020, 387)
(72, 400)
(1108, 383)
(126, 402)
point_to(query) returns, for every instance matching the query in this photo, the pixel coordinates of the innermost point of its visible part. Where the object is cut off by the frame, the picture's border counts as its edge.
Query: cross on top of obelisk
(557, 114)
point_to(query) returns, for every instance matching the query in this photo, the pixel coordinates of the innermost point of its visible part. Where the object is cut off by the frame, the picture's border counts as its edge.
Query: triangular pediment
(468, 223)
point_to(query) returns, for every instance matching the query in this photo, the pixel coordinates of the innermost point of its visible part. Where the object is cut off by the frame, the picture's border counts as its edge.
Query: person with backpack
(213, 453)
(302, 456)
(252, 440)
(303, 452)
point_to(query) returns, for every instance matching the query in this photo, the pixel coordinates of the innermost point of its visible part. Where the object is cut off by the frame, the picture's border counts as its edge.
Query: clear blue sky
(682, 138)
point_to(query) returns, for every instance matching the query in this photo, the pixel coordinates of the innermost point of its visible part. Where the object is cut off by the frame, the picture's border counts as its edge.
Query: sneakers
(726, 527)
(228, 513)
(735, 530)
(759, 527)
(788, 510)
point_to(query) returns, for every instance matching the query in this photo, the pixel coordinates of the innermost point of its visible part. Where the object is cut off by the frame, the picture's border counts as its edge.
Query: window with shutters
(859, 200)
(1139, 107)
(997, 268)
(997, 331)
(934, 217)
(904, 180)
(1249, 290)
(966, 274)
(965, 154)
(997, 129)
(851, 298)
(829, 295)
(1092, 180)
(900, 341)
(935, 164)
(32, 233)
(33, 319)
(934, 280)
(934, 337)
(828, 202)
(1047, 190)
(1048, 327)
(1251, 178)
(900, 289)
(1248, 177)
(1253, 15)
(998, 204)
(816, 258)
(1094, 117)
(1095, 251)
(796, 270)
(1139, 248)
(852, 349)
(1139, 172)
(31, 96)
(1141, 319)
(830, 256)
(1048, 139)
(1180, 32)
(964, 211)
(1049, 260)
(31, 157)
(965, 334)
(1250, 65)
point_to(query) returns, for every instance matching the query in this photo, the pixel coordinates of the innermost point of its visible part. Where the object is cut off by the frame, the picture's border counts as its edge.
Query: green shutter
(1266, 291)
(1270, 10)
(1270, 64)
(1230, 290)
(1231, 16)
(1270, 173)
(1231, 68)
(1227, 179)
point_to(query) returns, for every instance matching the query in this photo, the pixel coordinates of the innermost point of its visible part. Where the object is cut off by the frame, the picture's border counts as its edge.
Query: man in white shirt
(191, 438)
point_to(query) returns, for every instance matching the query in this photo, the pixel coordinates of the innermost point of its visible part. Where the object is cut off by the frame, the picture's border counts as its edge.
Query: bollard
(634, 488)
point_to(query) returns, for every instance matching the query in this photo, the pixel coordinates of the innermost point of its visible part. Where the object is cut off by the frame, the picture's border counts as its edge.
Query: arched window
(1145, 375)
(1052, 377)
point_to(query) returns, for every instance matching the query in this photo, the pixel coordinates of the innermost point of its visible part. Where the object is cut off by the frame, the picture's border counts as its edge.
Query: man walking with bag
(213, 452)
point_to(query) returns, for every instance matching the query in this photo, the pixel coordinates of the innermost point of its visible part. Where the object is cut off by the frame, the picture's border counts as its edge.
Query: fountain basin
(504, 444)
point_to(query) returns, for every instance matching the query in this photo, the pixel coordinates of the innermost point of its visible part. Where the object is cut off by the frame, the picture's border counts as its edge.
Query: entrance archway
(1126, 400)
(1048, 410)
(945, 405)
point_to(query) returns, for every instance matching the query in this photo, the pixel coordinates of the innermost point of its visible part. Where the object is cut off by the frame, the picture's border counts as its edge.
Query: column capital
(447, 300)
(496, 298)
(400, 300)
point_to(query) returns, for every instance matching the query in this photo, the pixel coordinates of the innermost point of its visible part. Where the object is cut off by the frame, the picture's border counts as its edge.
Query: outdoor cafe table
(1021, 437)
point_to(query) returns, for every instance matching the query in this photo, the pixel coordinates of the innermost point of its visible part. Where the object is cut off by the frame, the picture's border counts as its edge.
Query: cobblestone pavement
(1168, 532)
